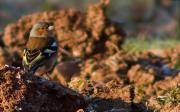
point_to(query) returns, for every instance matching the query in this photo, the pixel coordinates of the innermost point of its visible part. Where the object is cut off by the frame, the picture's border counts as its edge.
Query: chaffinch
(40, 53)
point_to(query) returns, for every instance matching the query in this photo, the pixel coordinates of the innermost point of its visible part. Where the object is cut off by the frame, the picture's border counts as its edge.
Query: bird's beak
(50, 28)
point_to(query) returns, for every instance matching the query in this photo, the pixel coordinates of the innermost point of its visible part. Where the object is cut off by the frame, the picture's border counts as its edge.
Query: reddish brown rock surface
(91, 62)
(24, 93)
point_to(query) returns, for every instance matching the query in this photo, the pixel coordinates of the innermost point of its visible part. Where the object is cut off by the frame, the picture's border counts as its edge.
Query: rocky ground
(93, 73)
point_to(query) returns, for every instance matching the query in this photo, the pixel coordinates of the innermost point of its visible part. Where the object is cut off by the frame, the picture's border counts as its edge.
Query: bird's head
(42, 29)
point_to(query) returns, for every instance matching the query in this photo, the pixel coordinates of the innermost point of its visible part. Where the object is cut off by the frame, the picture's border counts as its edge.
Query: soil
(93, 73)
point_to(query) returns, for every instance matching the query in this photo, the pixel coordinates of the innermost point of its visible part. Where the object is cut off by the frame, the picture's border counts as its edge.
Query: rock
(29, 93)
(112, 97)
(109, 78)
(139, 76)
(68, 69)
(163, 85)
(5, 57)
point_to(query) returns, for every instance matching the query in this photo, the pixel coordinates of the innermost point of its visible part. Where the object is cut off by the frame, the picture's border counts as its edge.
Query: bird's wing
(33, 58)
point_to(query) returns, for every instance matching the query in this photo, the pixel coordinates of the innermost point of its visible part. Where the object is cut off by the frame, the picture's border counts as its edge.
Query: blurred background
(140, 18)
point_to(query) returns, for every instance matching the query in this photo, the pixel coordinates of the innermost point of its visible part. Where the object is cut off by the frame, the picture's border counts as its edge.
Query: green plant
(177, 65)
(172, 97)
(136, 45)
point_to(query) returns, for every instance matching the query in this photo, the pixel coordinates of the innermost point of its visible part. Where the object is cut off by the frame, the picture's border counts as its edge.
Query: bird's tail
(28, 70)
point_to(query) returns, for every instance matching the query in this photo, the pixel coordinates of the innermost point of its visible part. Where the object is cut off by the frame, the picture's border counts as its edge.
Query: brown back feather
(37, 43)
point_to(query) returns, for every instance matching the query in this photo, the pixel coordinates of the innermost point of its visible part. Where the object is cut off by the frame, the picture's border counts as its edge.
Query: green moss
(177, 65)
(137, 45)
(171, 97)
(47, 6)
(80, 82)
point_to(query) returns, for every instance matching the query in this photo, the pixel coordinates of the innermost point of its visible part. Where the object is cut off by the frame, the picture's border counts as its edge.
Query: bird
(40, 52)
